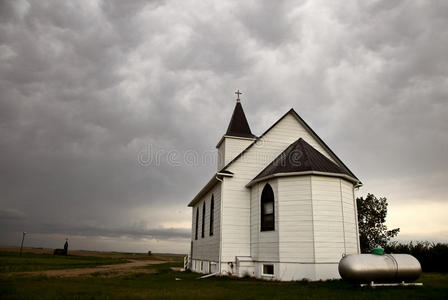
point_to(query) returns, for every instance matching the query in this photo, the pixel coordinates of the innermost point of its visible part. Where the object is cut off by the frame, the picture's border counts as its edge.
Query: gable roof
(313, 134)
(238, 125)
(300, 157)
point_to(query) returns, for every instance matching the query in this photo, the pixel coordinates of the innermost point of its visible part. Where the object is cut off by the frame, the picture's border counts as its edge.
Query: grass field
(11, 262)
(167, 284)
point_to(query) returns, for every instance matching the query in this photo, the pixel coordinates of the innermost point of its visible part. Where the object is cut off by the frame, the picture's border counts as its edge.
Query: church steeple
(238, 125)
(237, 137)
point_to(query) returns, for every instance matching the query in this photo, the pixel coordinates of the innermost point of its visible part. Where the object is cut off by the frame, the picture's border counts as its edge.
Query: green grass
(12, 262)
(162, 285)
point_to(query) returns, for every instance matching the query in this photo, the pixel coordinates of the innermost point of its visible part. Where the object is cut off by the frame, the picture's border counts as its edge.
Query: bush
(432, 256)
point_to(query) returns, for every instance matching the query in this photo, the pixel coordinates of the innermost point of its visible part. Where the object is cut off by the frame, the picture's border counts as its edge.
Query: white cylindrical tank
(379, 268)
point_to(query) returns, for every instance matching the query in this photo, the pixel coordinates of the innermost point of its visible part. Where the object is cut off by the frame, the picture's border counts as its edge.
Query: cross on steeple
(238, 93)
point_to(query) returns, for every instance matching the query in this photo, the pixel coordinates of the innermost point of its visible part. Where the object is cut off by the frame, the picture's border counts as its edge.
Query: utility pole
(21, 246)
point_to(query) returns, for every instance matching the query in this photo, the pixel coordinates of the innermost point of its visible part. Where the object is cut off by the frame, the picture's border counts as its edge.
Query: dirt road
(134, 266)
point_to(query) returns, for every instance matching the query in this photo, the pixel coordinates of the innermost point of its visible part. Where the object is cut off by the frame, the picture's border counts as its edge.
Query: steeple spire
(238, 125)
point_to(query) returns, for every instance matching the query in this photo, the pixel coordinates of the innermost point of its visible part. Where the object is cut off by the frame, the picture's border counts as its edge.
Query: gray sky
(101, 101)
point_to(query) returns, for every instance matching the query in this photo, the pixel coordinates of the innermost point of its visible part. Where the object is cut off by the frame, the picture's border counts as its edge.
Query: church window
(212, 214)
(267, 209)
(196, 225)
(203, 220)
(268, 269)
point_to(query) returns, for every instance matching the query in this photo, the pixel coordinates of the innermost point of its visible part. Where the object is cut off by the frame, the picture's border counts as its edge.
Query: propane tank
(379, 268)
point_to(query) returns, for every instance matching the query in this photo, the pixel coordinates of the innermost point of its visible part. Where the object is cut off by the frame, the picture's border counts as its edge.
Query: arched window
(196, 225)
(212, 214)
(267, 209)
(203, 219)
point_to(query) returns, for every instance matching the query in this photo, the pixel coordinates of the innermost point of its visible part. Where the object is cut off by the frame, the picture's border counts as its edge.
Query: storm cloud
(108, 108)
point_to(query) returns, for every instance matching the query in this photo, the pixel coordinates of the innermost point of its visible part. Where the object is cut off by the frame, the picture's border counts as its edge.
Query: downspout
(220, 226)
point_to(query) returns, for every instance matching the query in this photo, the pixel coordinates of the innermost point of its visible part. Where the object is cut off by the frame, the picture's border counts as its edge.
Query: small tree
(371, 218)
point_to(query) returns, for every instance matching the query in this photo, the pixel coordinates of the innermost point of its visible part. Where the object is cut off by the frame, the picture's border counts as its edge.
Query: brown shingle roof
(301, 157)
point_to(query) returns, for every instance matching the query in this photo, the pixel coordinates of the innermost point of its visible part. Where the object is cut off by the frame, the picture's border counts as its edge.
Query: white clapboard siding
(334, 218)
(207, 248)
(237, 196)
(295, 219)
(230, 148)
(329, 244)
(254, 221)
(350, 221)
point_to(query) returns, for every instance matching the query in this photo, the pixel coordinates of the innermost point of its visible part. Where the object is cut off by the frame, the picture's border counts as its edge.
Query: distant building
(281, 206)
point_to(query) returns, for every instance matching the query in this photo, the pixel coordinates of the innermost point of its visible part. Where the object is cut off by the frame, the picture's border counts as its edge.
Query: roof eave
(355, 181)
(210, 184)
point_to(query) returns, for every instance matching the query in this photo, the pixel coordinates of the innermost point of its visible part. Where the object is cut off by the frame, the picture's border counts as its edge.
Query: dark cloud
(88, 87)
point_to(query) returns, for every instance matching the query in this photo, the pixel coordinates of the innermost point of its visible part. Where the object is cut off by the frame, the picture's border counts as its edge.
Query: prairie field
(37, 274)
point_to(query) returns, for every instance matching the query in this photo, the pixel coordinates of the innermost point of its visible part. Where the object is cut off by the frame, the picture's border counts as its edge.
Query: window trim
(212, 216)
(263, 227)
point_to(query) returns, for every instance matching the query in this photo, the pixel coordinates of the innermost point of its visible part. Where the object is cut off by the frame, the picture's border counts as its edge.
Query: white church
(281, 206)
